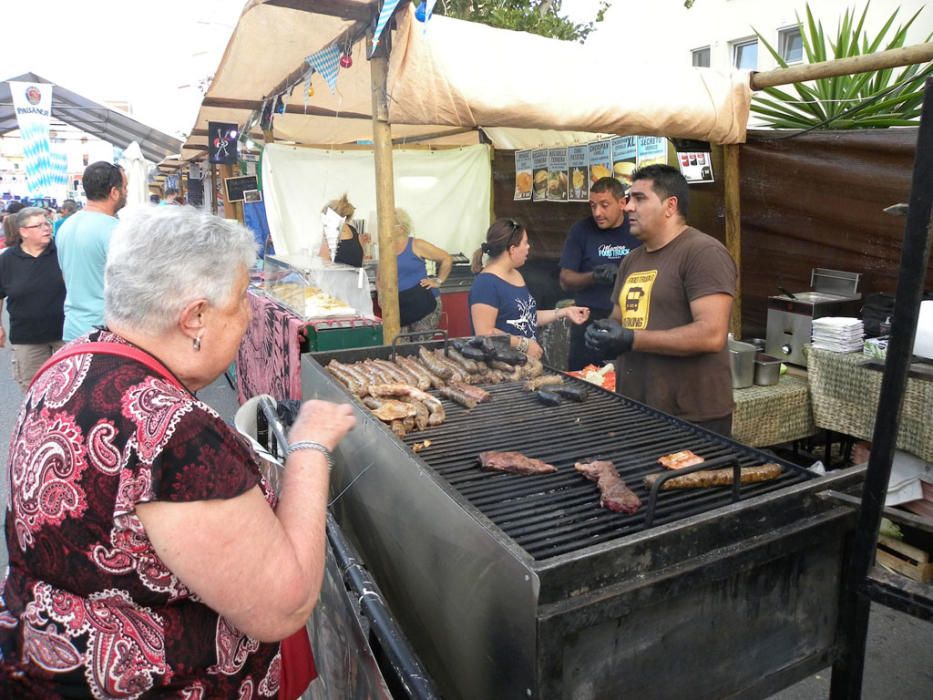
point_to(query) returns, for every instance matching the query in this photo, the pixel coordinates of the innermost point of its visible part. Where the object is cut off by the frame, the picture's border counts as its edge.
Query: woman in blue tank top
(418, 294)
(500, 303)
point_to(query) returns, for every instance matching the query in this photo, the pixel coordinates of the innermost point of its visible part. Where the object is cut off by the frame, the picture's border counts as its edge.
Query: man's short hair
(101, 177)
(69, 206)
(610, 185)
(667, 182)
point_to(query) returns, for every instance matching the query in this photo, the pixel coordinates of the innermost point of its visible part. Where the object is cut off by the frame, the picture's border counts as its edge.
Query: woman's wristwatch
(311, 445)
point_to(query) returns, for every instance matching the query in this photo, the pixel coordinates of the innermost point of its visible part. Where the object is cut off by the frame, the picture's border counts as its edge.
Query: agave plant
(877, 99)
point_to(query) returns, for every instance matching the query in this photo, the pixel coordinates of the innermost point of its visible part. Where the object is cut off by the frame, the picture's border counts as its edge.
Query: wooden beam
(331, 8)
(387, 285)
(732, 197)
(252, 105)
(893, 58)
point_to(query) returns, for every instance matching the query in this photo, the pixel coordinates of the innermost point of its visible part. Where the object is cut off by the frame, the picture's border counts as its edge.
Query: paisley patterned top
(88, 608)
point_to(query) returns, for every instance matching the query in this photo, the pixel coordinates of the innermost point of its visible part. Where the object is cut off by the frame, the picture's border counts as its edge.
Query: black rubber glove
(605, 274)
(609, 337)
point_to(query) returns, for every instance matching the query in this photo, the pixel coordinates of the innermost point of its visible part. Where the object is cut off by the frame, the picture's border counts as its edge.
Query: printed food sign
(579, 174)
(524, 175)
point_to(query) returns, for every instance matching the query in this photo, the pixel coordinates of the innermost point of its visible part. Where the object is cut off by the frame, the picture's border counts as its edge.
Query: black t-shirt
(34, 290)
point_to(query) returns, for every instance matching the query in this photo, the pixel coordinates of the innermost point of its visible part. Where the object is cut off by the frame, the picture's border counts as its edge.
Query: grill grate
(553, 514)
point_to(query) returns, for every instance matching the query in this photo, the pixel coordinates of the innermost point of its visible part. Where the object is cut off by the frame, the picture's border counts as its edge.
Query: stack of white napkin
(838, 333)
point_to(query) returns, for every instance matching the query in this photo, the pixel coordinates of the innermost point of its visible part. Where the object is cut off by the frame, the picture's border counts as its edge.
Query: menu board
(579, 174)
(624, 156)
(600, 157)
(523, 175)
(557, 174)
(651, 150)
(696, 166)
(236, 186)
(539, 170)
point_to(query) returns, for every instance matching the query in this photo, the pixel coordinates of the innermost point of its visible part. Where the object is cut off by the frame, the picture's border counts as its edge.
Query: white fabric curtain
(137, 175)
(447, 193)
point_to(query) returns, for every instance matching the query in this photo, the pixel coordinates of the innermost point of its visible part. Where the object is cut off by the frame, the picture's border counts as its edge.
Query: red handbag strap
(106, 348)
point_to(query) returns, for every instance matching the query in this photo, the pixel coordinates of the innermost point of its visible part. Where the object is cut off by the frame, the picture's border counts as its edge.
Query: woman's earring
(197, 344)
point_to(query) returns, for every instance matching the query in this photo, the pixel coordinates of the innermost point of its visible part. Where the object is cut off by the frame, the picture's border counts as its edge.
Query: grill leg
(848, 670)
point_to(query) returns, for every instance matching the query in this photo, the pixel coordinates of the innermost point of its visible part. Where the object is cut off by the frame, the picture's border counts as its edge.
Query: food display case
(334, 301)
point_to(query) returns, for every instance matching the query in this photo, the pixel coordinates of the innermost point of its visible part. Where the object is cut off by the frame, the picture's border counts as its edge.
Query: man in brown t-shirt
(672, 303)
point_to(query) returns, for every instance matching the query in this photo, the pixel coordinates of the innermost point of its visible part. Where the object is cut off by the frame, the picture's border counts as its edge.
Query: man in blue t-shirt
(594, 250)
(83, 242)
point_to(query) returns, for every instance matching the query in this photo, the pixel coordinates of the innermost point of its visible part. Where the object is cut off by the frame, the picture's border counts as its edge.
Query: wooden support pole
(387, 277)
(213, 189)
(226, 171)
(732, 197)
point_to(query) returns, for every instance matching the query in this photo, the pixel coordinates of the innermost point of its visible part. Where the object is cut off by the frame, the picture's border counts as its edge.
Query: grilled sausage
(457, 396)
(471, 366)
(354, 372)
(456, 373)
(706, 478)
(344, 378)
(421, 412)
(510, 356)
(548, 398)
(431, 362)
(476, 393)
(423, 376)
(570, 391)
(544, 380)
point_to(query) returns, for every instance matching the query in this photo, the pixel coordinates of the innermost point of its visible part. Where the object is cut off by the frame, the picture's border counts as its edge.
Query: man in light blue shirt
(83, 242)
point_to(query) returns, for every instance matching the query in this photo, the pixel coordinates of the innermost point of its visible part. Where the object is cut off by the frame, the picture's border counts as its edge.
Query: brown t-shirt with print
(654, 290)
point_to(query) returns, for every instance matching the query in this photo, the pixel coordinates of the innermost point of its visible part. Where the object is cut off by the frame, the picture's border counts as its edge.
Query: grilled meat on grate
(514, 462)
(614, 494)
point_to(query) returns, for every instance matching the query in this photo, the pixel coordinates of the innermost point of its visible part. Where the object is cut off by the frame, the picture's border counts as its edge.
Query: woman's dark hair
(502, 235)
(101, 177)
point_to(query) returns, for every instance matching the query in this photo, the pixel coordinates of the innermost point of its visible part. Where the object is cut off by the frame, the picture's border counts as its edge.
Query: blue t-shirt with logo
(518, 310)
(589, 246)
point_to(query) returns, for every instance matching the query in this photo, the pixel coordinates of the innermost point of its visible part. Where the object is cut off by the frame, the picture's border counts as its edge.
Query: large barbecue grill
(523, 586)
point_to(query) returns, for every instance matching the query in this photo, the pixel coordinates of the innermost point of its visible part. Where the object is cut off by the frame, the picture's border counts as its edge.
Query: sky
(115, 50)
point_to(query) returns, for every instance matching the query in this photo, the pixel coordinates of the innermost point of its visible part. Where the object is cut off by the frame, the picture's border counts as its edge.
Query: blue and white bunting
(388, 7)
(327, 63)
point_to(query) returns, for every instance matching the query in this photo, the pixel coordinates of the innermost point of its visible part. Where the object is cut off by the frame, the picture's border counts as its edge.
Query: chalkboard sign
(236, 186)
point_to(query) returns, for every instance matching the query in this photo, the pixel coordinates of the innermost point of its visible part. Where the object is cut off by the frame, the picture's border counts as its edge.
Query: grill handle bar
(717, 463)
(899, 516)
(395, 646)
(417, 334)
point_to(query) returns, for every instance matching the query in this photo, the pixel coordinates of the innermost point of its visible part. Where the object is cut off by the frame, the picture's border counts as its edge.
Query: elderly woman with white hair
(148, 556)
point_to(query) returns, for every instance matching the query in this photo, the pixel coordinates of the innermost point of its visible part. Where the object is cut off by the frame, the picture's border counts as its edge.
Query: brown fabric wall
(816, 201)
(810, 201)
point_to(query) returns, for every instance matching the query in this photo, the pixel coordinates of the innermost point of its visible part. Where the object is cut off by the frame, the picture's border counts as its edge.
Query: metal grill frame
(490, 621)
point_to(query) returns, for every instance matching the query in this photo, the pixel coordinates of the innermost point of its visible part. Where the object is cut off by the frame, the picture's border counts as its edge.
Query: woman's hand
(576, 314)
(323, 422)
(430, 283)
(534, 351)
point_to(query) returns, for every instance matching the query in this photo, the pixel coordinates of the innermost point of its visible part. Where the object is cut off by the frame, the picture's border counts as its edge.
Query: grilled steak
(717, 477)
(389, 410)
(614, 494)
(514, 462)
(680, 460)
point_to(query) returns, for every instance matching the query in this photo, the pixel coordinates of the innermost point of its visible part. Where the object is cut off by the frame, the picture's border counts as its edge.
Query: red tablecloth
(269, 359)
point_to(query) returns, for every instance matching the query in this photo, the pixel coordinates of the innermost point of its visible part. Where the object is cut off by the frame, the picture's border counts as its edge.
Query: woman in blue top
(418, 295)
(500, 303)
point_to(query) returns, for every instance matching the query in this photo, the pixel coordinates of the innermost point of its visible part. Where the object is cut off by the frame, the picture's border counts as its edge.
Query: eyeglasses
(516, 228)
(44, 224)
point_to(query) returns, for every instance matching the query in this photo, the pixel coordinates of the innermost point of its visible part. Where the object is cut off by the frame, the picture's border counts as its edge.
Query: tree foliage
(535, 16)
(876, 99)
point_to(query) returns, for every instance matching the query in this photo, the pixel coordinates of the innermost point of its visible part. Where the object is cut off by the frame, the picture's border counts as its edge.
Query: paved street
(898, 666)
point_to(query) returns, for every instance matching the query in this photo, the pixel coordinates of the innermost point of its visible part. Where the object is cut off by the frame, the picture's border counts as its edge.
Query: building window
(790, 45)
(701, 57)
(745, 54)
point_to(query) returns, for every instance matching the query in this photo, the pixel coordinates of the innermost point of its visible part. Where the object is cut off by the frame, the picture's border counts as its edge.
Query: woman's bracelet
(311, 445)
(523, 344)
